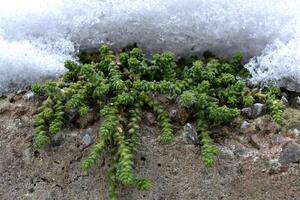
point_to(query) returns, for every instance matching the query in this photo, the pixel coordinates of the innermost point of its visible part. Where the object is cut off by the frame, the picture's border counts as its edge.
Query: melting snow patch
(36, 36)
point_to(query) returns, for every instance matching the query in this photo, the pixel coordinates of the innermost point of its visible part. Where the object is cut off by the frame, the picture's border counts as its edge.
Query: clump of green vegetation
(121, 86)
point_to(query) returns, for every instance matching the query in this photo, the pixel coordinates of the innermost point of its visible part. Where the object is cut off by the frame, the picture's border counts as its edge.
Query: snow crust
(36, 36)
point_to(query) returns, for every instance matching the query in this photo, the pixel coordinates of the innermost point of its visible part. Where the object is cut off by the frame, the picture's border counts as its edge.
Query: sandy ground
(242, 171)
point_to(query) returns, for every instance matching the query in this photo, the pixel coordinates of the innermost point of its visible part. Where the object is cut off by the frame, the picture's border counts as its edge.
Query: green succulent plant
(120, 86)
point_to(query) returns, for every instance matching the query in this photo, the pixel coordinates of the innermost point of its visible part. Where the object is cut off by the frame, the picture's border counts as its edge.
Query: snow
(36, 36)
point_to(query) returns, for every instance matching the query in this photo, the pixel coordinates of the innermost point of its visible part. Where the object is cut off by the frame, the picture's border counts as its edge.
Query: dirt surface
(247, 168)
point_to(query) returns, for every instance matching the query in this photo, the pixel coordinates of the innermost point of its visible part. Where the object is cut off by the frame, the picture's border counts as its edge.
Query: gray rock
(245, 125)
(18, 123)
(172, 113)
(88, 131)
(294, 133)
(257, 110)
(191, 134)
(247, 111)
(21, 92)
(254, 111)
(28, 96)
(285, 101)
(298, 102)
(248, 128)
(294, 129)
(87, 139)
(290, 153)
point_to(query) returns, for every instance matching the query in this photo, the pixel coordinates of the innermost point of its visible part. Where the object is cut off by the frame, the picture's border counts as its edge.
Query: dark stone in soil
(290, 153)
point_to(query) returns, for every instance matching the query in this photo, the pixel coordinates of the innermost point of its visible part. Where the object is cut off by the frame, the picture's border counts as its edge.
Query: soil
(242, 171)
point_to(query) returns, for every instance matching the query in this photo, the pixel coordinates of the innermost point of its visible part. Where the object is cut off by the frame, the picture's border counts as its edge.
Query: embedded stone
(191, 134)
(290, 153)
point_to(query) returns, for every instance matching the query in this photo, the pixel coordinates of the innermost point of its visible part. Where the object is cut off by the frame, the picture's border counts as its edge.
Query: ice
(36, 36)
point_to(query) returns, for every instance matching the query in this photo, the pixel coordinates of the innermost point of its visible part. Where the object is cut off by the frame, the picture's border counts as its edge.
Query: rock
(254, 111)
(18, 123)
(294, 128)
(29, 96)
(178, 114)
(245, 125)
(285, 101)
(21, 92)
(247, 112)
(87, 139)
(248, 128)
(293, 133)
(150, 118)
(298, 102)
(57, 139)
(290, 153)
(190, 134)
(172, 113)
(296, 133)
(257, 110)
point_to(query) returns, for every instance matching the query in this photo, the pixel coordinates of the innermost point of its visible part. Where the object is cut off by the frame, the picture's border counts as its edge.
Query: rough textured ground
(248, 166)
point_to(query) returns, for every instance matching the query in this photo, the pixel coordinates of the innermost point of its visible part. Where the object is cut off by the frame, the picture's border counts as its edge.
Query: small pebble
(257, 109)
(298, 102)
(285, 101)
(87, 139)
(245, 125)
(191, 133)
(29, 95)
(19, 123)
(247, 112)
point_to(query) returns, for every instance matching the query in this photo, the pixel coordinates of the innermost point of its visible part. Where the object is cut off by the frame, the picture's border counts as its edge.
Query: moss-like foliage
(120, 86)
